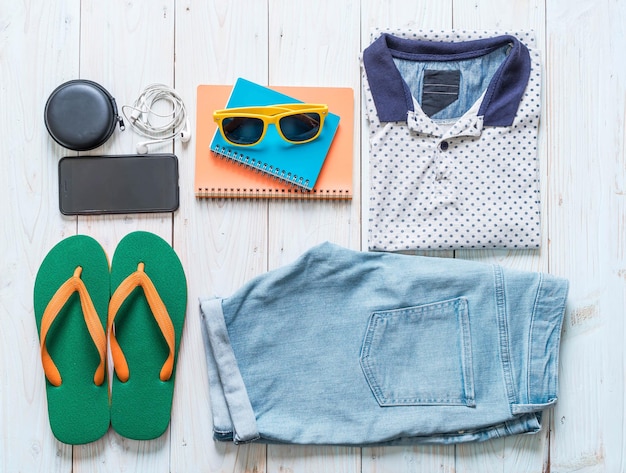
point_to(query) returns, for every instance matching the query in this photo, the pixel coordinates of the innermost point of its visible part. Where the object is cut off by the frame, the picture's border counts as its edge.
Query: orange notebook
(217, 177)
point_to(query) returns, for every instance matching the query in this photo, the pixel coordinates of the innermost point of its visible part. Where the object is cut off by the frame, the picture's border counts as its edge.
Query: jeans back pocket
(420, 355)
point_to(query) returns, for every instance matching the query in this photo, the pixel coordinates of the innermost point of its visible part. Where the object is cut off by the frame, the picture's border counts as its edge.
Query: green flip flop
(145, 323)
(71, 296)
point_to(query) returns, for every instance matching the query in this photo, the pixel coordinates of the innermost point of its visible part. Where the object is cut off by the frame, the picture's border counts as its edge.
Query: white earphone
(184, 135)
(142, 147)
(173, 124)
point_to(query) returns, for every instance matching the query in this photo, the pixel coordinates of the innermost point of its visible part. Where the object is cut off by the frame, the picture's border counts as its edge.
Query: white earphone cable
(146, 121)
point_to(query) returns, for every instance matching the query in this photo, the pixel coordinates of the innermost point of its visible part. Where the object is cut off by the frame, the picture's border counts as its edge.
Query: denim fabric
(392, 96)
(354, 348)
(476, 75)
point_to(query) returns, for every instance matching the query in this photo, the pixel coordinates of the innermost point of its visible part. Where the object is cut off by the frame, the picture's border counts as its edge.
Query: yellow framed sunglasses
(296, 123)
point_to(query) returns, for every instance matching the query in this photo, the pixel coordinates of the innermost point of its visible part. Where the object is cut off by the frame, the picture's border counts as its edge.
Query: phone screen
(118, 184)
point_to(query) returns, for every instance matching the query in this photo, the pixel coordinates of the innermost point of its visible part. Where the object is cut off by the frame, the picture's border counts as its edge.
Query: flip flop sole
(78, 409)
(141, 407)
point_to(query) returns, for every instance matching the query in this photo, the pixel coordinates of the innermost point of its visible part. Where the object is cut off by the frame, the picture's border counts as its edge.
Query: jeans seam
(381, 391)
(529, 366)
(467, 357)
(562, 306)
(503, 332)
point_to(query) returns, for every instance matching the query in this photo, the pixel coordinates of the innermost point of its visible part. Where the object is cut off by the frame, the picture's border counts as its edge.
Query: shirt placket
(443, 161)
(470, 126)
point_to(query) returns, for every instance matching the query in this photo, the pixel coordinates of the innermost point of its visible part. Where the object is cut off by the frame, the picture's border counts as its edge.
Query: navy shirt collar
(392, 96)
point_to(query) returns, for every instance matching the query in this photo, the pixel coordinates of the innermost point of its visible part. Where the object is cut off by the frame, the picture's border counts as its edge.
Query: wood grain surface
(126, 45)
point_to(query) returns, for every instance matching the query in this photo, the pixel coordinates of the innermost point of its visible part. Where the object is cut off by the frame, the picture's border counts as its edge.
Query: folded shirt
(453, 120)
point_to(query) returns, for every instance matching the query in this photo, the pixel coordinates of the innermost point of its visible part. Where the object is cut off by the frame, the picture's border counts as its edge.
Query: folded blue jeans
(344, 347)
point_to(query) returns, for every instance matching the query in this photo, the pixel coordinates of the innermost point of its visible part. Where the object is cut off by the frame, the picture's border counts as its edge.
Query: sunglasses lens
(301, 126)
(242, 131)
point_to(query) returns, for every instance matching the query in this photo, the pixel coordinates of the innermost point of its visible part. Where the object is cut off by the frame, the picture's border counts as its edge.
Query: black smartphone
(118, 184)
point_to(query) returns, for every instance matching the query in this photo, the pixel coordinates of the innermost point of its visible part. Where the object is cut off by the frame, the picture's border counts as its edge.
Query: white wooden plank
(127, 45)
(38, 51)
(513, 17)
(586, 83)
(425, 15)
(316, 45)
(222, 243)
(409, 459)
(528, 452)
(312, 459)
(124, 47)
(313, 45)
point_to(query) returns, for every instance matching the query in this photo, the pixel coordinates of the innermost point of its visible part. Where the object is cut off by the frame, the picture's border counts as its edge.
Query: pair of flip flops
(137, 308)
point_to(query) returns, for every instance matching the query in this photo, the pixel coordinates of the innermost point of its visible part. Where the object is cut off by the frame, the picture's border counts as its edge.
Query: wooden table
(223, 243)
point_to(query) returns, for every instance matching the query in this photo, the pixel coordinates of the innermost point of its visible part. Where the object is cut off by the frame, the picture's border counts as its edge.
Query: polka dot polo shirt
(453, 120)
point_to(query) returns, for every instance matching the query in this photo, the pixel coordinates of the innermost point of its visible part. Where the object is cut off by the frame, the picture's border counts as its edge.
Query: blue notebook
(298, 165)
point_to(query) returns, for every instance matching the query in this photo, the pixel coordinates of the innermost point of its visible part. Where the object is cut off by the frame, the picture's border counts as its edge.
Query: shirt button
(443, 145)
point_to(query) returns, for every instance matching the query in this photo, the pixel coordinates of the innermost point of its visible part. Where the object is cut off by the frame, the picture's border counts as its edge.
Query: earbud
(185, 134)
(142, 148)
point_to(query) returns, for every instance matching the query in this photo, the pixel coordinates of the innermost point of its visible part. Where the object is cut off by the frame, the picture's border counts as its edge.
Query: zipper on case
(118, 118)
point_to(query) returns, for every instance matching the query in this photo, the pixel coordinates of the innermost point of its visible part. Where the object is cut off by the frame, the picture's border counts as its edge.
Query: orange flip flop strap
(52, 310)
(140, 279)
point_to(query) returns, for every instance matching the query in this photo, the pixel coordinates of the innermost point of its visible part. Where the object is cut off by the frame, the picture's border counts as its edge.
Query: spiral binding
(259, 166)
(267, 192)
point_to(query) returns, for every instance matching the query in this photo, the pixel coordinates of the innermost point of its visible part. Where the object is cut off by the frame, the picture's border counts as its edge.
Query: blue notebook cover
(299, 165)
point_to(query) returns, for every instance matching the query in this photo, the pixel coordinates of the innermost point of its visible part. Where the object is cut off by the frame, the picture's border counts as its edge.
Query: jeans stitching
(503, 331)
(529, 362)
(466, 357)
(466, 365)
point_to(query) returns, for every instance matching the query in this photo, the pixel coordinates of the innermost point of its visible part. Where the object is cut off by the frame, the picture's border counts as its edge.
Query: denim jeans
(360, 348)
